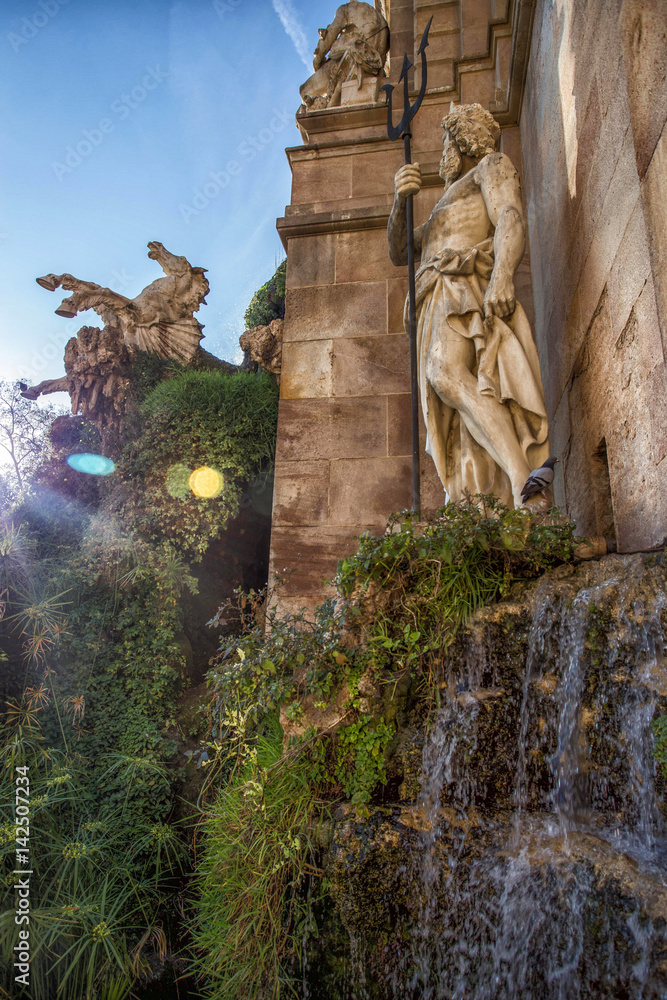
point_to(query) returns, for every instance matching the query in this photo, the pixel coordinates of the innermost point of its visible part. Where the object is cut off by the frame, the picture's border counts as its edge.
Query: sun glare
(205, 482)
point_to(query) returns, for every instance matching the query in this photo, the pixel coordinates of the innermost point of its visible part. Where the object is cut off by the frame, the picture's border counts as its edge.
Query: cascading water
(519, 852)
(514, 907)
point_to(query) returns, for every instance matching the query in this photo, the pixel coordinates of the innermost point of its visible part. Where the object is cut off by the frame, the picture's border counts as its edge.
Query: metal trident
(402, 130)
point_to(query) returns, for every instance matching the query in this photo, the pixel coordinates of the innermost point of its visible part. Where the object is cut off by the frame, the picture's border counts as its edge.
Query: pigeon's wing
(537, 481)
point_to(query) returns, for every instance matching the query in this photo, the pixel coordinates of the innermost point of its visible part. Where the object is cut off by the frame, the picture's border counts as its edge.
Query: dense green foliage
(104, 875)
(195, 419)
(149, 369)
(257, 860)
(94, 658)
(268, 302)
(94, 667)
(403, 597)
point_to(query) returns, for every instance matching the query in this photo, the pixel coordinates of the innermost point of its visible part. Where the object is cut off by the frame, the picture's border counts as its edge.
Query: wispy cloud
(290, 22)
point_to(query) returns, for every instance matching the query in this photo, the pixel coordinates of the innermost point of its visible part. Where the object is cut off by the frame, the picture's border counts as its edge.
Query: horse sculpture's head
(180, 267)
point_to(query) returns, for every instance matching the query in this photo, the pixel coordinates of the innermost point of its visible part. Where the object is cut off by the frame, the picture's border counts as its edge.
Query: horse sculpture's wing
(169, 339)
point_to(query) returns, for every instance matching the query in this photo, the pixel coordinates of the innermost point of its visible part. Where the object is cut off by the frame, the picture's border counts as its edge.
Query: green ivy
(268, 302)
(360, 757)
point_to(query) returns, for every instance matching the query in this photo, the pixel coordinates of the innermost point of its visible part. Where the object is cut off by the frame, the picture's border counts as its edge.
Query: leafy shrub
(102, 881)
(268, 302)
(360, 758)
(198, 418)
(149, 369)
(404, 596)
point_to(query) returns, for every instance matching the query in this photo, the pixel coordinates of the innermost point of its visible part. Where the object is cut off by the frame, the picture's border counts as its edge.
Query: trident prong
(409, 110)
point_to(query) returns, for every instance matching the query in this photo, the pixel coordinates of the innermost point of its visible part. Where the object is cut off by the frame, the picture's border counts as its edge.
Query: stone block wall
(343, 460)
(595, 161)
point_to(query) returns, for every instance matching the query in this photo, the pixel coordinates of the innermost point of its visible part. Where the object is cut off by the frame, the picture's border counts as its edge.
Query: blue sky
(118, 121)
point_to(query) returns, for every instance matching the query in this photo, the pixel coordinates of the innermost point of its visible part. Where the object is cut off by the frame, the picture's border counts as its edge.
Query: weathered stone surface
(364, 489)
(264, 346)
(593, 116)
(304, 558)
(364, 365)
(308, 369)
(363, 257)
(301, 493)
(344, 310)
(311, 260)
(356, 43)
(354, 427)
(366, 92)
(643, 30)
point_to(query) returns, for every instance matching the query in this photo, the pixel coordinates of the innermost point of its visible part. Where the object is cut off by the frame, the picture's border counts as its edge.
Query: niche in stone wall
(604, 510)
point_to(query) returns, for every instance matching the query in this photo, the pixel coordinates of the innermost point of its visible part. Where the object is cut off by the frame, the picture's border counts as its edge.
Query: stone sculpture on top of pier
(349, 59)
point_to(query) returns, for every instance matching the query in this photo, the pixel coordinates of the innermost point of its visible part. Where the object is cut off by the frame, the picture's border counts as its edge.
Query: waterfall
(514, 877)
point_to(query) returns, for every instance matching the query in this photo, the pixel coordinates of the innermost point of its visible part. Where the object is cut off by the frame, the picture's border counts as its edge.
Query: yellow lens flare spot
(206, 482)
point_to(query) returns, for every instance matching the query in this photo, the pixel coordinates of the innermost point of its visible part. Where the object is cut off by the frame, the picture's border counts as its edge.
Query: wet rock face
(527, 858)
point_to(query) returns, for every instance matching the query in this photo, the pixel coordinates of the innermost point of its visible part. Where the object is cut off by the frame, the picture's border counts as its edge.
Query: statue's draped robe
(450, 297)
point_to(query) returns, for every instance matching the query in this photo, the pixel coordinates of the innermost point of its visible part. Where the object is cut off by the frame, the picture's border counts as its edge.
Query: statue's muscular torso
(459, 220)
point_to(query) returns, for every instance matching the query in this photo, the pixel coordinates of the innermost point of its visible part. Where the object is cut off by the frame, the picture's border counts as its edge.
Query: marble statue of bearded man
(479, 373)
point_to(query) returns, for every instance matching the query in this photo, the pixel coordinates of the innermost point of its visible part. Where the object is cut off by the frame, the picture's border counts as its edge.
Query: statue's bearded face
(451, 161)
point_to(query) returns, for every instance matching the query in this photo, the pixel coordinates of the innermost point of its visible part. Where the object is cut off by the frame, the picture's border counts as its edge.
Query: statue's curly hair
(475, 130)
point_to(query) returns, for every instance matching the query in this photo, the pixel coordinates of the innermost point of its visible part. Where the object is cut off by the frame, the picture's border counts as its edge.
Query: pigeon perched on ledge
(539, 480)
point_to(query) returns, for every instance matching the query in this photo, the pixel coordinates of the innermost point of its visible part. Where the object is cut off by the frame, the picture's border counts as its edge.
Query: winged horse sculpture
(160, 319)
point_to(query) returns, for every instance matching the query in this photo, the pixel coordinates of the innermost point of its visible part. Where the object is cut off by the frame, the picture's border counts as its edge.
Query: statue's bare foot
(49, 281)
(67, 308)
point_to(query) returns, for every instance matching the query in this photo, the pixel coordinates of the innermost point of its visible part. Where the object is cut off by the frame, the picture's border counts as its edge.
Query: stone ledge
(340, 220)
